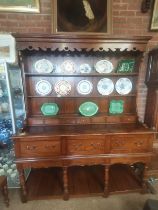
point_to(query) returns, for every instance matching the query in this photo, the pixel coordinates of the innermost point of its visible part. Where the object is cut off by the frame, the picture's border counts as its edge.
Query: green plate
(126, 66)
(49, 109)
(116, 106)
(88, 109)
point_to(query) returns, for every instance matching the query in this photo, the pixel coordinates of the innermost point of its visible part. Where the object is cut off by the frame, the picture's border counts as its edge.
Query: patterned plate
(68, 67)
(44, 66)
(123, 86)
(84, 87)
(104, 66)
(43, 87)
(105, 86)
(62, 88)
(85, 68)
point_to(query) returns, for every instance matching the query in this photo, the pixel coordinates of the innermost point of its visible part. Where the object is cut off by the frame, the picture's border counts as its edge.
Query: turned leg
(65, 181)
(5, 194)
(23, 186)
(106, 181)
(144, 179)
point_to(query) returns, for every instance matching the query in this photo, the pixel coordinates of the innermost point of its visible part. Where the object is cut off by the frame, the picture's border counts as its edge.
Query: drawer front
(42, 148)
(131, 143)
(86, 146)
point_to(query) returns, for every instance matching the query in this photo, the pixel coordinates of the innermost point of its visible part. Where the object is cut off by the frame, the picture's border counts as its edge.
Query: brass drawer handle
(31, 147)
(138, 144)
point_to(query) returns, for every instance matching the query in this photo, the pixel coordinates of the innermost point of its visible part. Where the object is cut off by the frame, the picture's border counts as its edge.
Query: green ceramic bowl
(49, 109)
(88, 109)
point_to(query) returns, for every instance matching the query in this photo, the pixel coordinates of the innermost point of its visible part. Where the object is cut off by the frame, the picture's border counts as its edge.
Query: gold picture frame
(97, 13)
(30, 6)
(154, 17)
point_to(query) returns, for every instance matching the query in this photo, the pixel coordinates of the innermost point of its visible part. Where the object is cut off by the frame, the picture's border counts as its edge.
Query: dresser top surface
(70, 130)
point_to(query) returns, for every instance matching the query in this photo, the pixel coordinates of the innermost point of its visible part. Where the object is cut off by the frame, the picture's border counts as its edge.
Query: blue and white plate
(105, 86)
(123, 86)
(84, 87)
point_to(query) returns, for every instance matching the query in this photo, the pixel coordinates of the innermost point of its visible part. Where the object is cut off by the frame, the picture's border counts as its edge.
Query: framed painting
(31, 6)
(82, 16)
(154, 17)
(7, 48)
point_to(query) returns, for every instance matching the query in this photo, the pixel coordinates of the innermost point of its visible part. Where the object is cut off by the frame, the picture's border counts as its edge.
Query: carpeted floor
(132, 201)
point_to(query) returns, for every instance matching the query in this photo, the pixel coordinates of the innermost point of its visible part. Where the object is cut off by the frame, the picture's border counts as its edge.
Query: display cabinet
(11, 118)
(80, 97)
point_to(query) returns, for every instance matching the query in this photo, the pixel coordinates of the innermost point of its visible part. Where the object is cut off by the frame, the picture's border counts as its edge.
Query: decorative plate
(68, 67)
(105, 86)
(84, 87)
(126, 66)
(49, 109)
(116, 106)
(123, 86)
(104, 66)
(88, 109)
(62, 88)
(43, 87)
(44, 66)
(85, 68)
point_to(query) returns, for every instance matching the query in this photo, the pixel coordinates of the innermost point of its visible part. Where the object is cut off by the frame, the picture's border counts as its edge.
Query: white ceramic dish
(44, 66)
(123, 86)
(62, 88)
(43, 87)
(84, 87)
(104, 66)
(68, 67)
(105, 86)
(85, 68)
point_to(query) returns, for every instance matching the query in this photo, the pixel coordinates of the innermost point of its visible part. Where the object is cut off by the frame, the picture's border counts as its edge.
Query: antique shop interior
(79, 104)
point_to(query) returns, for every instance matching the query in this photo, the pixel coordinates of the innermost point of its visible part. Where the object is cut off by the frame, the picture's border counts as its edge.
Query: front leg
(5, 193)
(144, 180)
(23, 186)
(65, 181)
(106, 181)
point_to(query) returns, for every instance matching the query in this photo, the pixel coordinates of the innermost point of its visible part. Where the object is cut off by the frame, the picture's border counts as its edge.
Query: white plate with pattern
(105, 86)
(123, 86)
(104, 67)
(62, 88)
(68, 67)
(43, 87)
(85, 68)
(84, 87)
(44, 66)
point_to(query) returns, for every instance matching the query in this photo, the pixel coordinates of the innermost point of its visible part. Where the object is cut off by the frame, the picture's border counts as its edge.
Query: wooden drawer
(42, 148)
(131, 143)
(86, 145)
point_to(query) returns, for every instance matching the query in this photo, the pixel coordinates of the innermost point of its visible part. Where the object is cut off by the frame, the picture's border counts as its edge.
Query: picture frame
(154, 16)
(7, 48)
(29, 6)
(82, 16)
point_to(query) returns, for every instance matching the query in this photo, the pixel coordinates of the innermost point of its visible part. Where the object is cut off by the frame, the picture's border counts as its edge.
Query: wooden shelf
(81, 75)
(83, 181)
(83, 96)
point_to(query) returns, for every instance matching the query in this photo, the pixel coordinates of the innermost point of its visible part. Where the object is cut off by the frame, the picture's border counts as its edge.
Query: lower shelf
(83, 181)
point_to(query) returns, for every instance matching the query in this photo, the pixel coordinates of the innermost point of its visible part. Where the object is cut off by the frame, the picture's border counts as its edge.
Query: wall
(127, 20)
